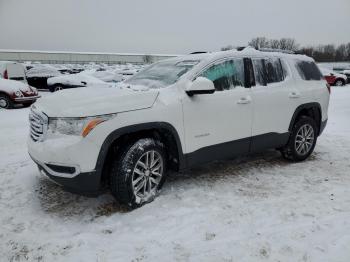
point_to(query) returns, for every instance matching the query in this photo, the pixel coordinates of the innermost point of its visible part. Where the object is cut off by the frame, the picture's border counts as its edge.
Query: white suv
(177, 114)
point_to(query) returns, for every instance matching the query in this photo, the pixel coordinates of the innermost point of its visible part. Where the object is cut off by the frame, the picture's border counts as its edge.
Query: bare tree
(288, 44)
(275, 43)
(226, 48)
(341, 53)
(259, 42)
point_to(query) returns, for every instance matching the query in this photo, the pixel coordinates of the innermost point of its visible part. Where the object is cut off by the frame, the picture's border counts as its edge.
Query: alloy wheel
(3, 102)
(304, 139)
(339, 83)
(58, 88)
(147, 174)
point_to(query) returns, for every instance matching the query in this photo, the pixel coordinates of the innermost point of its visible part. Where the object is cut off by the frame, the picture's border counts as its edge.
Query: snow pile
(259, 208)
(81, 79)
(12, 86)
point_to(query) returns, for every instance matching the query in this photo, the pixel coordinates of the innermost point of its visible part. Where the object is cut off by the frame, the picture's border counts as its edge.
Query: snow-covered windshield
(162, 74)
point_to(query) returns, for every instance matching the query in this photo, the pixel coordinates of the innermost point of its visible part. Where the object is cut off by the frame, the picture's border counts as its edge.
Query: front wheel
(5, 102)
(139, 172)
(302, 140)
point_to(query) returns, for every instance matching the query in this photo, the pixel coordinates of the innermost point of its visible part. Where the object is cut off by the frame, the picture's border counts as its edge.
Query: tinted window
(308, 70)
(274, 70)
(268, 71)
(260, 72)
(226, 75)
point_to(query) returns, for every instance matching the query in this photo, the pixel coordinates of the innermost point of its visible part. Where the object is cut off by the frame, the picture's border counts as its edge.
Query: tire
(131, 176)
(5, 102)
(55, 88)
(302, 140)
(339, 82)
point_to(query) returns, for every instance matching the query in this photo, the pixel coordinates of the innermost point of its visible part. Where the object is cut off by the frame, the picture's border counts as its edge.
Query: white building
(53, 57)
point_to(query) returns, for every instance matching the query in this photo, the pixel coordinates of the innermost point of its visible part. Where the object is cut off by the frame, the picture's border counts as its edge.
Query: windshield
(162, 74)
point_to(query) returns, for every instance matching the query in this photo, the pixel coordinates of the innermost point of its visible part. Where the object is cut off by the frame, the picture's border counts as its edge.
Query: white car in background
(12, 71)
(106, 76)
(82, 79)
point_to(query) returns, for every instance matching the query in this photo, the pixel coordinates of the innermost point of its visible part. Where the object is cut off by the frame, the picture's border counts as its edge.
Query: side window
(308, 70)
(260, 72)
(274, 70)
(226, 75)
(268, 71)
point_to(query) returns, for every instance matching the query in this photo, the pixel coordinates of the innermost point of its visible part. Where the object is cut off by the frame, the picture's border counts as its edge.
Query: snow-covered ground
(260, 208)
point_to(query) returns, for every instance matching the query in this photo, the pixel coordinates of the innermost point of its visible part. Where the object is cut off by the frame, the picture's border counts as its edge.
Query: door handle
(294, 94)
(244, 100)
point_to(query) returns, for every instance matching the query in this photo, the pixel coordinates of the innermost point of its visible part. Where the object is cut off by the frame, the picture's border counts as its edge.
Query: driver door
(218, 125)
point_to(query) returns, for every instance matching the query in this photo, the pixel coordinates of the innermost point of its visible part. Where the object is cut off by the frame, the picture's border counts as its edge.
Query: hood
(13, 86)
(82, 102)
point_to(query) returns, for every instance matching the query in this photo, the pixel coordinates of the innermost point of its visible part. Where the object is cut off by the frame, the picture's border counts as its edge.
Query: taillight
(6, 76)
(328, 87)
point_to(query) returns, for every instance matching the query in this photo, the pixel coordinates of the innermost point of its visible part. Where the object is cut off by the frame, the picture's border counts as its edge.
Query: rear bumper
(323, 126)
(73, 181)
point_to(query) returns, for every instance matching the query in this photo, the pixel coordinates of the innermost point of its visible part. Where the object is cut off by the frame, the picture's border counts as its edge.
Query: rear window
(308, 70)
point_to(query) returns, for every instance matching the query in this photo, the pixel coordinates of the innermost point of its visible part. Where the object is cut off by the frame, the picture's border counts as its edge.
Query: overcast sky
(162, 26)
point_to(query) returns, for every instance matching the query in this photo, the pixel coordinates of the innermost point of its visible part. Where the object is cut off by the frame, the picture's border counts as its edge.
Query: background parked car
(73, 81)
(15, 92)
(37, 75)
(334, 78)
(347, 73)
(106, 76)
(12, 71)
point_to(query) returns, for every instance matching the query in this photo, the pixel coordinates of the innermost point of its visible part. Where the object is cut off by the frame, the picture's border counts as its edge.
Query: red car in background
(16, 92)
(334, 78)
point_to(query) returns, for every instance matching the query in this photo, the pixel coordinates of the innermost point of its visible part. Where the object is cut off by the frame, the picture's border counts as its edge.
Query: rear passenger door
(275, 100)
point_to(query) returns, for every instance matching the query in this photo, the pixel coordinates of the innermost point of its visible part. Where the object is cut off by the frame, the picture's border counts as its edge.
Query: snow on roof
(81, 53)
(248, 51)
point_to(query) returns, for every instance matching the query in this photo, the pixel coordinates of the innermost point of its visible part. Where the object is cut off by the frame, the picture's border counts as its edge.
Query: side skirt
(236, 148)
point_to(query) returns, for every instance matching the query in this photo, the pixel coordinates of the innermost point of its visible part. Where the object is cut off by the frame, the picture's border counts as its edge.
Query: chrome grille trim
(38, 125)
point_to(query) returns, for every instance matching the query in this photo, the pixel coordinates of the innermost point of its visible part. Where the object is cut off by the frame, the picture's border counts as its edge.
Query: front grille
(38, 126)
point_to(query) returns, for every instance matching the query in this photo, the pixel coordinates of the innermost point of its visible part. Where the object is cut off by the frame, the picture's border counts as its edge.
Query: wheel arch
(158, 130)
(312, 110)
(5, 93)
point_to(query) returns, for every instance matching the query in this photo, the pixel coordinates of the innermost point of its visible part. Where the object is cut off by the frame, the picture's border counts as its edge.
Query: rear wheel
(56, 88)
(302, 140)
(339, 82)
(5, 102)
(139, 172)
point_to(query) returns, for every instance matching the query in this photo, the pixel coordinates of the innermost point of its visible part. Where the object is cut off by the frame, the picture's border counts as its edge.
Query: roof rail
(198, 52)
(276, 50)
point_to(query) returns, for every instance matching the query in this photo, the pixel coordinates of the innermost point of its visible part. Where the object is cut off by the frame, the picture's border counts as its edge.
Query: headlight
(75, 126)
(18, 93)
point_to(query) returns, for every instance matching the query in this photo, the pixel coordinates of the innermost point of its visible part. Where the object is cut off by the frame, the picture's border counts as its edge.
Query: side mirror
(201, 86)
(84, 83)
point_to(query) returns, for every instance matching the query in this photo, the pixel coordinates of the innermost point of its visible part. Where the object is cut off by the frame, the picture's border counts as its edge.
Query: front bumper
(26, 99)
(87, 184)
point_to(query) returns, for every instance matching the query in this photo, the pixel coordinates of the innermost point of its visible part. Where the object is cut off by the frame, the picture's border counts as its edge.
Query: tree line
(321, 53)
